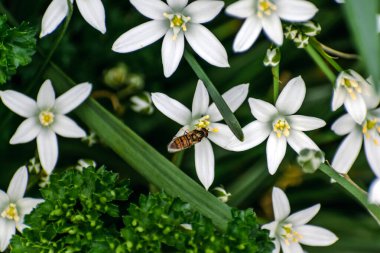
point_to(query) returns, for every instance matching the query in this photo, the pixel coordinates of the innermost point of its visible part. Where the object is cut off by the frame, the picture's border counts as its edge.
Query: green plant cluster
(17, 46)
(82, 213)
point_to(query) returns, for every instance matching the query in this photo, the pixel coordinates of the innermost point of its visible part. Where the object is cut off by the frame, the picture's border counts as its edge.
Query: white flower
(350, 147)
(353, 91)
(176, 21)
(374, 192)
(91, 10)
(267, 15)
(46, 118)
(280, 125)
(13, 207)
(289, 232)
(203, 116)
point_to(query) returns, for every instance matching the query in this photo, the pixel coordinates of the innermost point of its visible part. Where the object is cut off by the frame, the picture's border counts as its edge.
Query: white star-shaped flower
(354, 92)
(13, 207)
(266, 15)
(91, 10)
(176, 21)
(46, 118)
(289, 232)
(280, 125)
(206, 117)
(374, 192)
(350, 147)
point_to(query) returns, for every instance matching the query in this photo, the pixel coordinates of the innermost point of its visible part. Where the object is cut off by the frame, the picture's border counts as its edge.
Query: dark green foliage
(81, 214)
(17, 45)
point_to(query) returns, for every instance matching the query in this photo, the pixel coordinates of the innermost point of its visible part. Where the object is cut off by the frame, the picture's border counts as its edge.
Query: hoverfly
(187, 140)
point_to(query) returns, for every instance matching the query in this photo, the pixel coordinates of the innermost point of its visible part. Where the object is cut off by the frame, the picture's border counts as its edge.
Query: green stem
(222, 106)
(276, 81)
(47, 59)
(177, 158)
(359, 194)
(321, 63)
(316, 45)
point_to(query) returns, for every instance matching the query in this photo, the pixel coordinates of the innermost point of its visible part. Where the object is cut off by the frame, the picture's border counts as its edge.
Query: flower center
(11, 213)
(177, 23)
(281, 128)
(352, 87)
(371, 125)
(265, 7)
(204, 122)
(289, 235)
(46, 118)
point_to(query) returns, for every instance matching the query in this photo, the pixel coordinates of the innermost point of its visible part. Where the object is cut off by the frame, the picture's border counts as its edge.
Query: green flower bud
(221, 194)
(142, 103)
(301, 40)
(273, 57)
(116, 76)
(290, 32)
(311, 28)
(310, 160)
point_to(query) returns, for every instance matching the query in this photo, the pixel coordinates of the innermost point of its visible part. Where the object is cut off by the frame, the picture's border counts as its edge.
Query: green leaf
(17, 45)
(361, 16)
(143, 157)
(223, 108)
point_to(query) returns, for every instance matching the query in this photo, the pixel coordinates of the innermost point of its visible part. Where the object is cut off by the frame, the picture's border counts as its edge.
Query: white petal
(343, 125)
(53, 16)
(298, 141)
(247, 34)
(72, 98)
(93, 12)
(203, 11)
(304, 216)
(176, 5)
(255, 133)
(339, 96)
(200, 101)
(356, 108)
(222, 135)
(272, 227)
(293, 247)
(292, 96)
(4, 200)
(234, 97)
(172, 51)
(171, 108)
(277, 246)
(204, 162)
(347, 152)
(19, 103)
(46, 96)
(153, 9)
(140, 36)
(26, 131)
(17, 186)
(281, 207)
(273, 28)
(305, 123)
(66, 127)
(276, 148)
(241, 9)
(26, 205)
(296, 10)
(372, 152)
(47, 149)
(370, 96)
(8, 229)
(374, 192)
(316, 236)
(206, 45)
(261, 110)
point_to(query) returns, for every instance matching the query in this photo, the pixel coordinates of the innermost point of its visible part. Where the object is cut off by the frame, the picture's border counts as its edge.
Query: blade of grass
(223, 108)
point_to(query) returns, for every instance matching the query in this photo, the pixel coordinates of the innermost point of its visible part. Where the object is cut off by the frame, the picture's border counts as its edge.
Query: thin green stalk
(177, 158)
(321, 63)
(359, 194)
(276, 81)
(325, 56)
(223, 108)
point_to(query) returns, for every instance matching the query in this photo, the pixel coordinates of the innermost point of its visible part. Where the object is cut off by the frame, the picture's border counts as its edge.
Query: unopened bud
(301, 41)
(290, 32)
(117, 76)
(273, 57)
(142, 103)
(84, 163)
(311, 28)
(310, 160)
(221, 194)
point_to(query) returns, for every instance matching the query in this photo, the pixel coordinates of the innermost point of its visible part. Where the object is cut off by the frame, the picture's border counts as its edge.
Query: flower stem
(321, 63)
(276, 81)
(359, 194)
(317, 45)
(226, 112)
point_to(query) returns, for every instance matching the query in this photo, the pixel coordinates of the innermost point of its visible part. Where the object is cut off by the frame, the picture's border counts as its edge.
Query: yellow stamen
(368, 125)
(290, 235)
(11, 213)
(281, 128)
(265, 7)
(177, 23)
(352, 87)
(46, 118)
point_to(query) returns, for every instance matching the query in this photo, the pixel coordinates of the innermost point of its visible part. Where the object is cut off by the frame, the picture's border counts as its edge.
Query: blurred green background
(85, 55)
